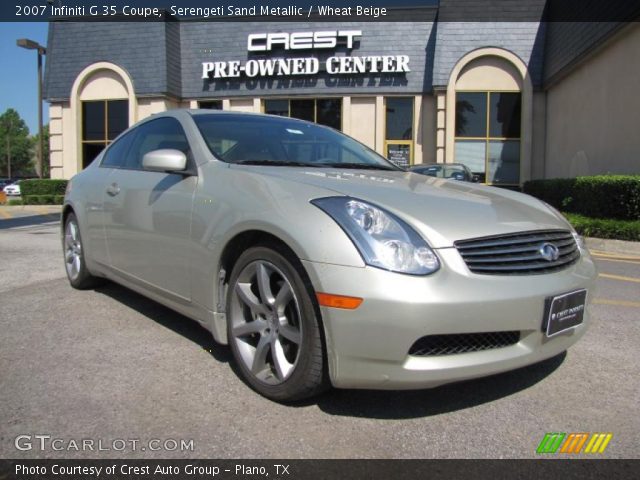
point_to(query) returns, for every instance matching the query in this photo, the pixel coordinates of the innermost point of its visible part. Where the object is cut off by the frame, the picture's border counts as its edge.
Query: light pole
(31, 45)
(9, 149)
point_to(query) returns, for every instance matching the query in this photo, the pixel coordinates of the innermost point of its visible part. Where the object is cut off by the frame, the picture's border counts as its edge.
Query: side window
(154, 135)
(116, 154)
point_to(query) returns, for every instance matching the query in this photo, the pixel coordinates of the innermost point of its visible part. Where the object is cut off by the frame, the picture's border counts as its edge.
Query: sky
(18, 71)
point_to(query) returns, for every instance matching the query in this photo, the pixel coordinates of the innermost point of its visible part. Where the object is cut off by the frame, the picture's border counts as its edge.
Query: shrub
(32, 199)
(14, 201)
(601, 196)
(605, 228)
(45, 186)
(43, 199)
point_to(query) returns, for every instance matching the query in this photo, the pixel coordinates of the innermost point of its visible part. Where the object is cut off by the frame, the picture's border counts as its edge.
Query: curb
(613, 246)
(51, 208)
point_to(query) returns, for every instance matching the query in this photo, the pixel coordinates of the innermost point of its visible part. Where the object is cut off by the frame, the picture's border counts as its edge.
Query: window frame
(315, 108)
(487, 139)
(202, 104)
(105, 142)
(390, 142)
(191, 165)
(118, 139)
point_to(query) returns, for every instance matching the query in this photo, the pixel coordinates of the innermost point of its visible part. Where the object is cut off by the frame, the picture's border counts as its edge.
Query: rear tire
(74, 261)
(272, 326)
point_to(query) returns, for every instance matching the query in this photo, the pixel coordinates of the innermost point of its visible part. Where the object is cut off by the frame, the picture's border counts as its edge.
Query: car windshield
(266, 140)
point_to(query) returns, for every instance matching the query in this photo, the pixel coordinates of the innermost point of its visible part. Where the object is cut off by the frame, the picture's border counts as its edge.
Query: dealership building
(516, 99)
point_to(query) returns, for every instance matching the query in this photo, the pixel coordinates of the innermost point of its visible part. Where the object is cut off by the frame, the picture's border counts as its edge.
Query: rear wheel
(74, 262)
(273, 329)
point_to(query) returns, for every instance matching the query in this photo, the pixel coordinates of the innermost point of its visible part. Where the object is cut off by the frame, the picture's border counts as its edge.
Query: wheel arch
(231, 252)
(66, 210)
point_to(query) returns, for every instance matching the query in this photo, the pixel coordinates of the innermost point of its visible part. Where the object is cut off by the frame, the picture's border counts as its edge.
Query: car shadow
(377, 404)
(189, 329)
(404, 404)
(29, 221)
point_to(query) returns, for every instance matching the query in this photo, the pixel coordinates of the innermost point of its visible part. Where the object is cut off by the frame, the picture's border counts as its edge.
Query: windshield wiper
(274, 163)
(363, 166)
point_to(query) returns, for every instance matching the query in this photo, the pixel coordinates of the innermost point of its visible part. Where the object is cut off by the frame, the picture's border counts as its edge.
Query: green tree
(15, 145)
(46, 163)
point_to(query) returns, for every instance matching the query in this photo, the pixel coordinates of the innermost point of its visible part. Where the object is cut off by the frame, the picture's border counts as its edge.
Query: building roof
(165, 57)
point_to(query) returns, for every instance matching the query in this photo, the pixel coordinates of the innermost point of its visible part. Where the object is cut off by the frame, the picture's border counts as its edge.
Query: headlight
(382, 239)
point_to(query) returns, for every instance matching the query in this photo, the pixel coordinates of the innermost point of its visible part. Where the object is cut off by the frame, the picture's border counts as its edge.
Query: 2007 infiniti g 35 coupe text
(318, 261)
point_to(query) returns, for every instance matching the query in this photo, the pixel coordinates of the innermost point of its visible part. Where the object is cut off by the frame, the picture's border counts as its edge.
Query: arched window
(104, 105)
(489, 116)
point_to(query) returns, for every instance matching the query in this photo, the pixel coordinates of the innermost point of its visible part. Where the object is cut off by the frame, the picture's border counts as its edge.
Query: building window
(399, 130)
(211, 105)
(487, 137)
(325, 111)
(102, 122)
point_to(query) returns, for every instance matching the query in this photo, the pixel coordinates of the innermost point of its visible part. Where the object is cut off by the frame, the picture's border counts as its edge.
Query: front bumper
(369, 347)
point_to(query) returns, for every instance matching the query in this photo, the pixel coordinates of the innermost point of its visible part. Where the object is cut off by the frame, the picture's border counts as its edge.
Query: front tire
(273, 330)
(74, 261)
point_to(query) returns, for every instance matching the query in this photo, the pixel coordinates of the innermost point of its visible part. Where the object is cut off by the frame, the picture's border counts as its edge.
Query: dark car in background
(454, 171)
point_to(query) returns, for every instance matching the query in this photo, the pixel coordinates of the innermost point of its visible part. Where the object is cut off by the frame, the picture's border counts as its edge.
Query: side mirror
(165, 160)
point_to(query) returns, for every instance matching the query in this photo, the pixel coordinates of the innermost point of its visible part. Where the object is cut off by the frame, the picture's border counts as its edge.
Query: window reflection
(324, 111)
(102, 122)
(399, 119)
(488, 129)
(471, 115)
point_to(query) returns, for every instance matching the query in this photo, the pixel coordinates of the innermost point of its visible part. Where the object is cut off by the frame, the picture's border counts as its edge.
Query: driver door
(148, 214)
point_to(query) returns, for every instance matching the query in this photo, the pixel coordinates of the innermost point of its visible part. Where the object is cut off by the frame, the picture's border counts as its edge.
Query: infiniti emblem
(549, 252)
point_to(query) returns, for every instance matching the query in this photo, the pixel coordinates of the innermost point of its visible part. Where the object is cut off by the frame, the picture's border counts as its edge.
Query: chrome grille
(433, 345)
(518, 253)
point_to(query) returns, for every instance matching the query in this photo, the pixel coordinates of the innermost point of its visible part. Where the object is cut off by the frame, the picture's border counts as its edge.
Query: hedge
(43, 187)
(601, 196)
(42, 199)
(605, 228)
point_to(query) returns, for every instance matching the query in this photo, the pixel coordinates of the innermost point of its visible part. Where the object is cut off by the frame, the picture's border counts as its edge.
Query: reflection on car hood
(442, 210)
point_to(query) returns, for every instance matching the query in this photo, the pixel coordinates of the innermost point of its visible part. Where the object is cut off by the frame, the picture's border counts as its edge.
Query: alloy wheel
(72, 250)
(266, 322)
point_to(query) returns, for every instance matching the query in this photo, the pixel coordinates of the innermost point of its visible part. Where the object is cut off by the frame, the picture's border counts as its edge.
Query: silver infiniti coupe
(318, 261)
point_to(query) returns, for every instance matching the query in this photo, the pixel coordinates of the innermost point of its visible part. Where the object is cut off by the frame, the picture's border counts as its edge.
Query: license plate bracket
(564, 312)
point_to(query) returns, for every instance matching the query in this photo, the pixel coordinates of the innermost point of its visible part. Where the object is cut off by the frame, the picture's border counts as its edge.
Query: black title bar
(322, 10)
(319, 469)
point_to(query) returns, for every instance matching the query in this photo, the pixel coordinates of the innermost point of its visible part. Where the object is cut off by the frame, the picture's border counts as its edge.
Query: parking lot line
(617, 256)
(632, 262)
(619, 277)
(619, 303)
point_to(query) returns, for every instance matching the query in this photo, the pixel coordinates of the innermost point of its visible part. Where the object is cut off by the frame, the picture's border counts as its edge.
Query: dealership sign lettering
(269, 67)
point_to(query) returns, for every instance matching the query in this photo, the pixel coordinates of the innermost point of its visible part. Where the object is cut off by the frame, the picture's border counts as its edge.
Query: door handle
(113, 189)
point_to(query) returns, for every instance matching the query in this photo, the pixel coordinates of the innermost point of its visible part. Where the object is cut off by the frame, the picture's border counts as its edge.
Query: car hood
(443, 211)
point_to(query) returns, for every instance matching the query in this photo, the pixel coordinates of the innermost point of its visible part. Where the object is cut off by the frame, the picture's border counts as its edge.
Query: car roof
(194, 112)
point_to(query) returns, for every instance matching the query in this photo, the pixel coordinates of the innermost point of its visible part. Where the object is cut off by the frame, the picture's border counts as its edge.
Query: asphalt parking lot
(109, 364)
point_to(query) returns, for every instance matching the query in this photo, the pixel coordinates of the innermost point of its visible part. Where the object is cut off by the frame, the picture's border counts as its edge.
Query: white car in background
(13, 189)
